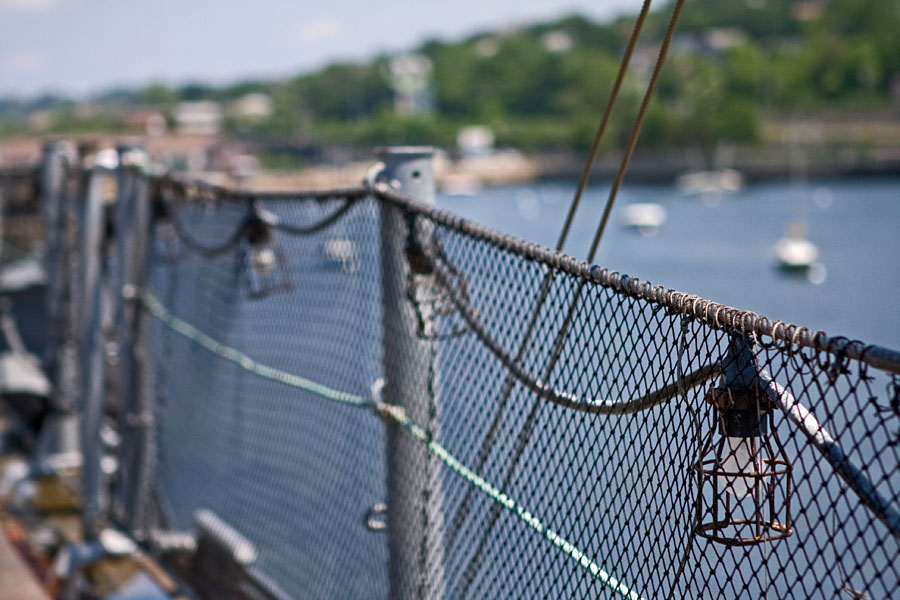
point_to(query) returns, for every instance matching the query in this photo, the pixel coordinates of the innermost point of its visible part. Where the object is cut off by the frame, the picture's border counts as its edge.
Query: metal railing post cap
(404, 152)
(409, 169)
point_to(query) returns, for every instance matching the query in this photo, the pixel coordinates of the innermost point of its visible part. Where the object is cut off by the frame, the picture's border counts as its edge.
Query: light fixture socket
(743, 473)
(264, 267)
(742, 413)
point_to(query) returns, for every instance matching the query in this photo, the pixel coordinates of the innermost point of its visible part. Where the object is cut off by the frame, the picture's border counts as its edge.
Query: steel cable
(601, 129)
(205, 250)
(636, 129)
(488, 441)
(275, 222)
(525, 432)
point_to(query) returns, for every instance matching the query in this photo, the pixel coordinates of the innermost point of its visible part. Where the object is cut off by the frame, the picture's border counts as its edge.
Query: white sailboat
(794, 252)
(712, 182)
(643, 217)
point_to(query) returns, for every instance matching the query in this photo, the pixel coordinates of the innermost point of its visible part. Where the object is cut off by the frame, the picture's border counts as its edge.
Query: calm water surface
(721, 249)
(297, 474)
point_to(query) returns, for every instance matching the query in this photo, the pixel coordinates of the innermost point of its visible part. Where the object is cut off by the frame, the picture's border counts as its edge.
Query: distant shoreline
(758, 162)
(755, 163)
(468, 176)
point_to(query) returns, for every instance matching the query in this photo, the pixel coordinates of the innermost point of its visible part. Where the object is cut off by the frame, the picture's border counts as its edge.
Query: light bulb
(264, 260)
(740, 461)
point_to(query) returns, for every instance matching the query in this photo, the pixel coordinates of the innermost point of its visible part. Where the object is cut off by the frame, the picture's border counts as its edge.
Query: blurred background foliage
(544, 86)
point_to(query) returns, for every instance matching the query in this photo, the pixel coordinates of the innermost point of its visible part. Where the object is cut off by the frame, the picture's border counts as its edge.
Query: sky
(79, 47)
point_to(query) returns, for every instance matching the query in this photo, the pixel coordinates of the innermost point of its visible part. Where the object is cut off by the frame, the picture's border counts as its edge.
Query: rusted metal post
(415, 520)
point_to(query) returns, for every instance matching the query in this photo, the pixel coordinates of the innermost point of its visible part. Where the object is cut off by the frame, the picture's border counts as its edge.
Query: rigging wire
(638, 125)
(491, 435)
(601, 129)
(528, 427)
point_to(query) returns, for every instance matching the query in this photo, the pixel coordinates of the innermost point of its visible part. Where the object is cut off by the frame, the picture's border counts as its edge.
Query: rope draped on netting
(152, 304)
(450, 241)
(717, 316)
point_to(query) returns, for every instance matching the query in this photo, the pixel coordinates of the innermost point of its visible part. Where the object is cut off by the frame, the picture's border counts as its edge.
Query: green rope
(155, 307)
(398, 415)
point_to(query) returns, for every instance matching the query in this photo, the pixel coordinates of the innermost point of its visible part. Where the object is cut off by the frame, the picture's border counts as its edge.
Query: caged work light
(743, 471)
(264, 269)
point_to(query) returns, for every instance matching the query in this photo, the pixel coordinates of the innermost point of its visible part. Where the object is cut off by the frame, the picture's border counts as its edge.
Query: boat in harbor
(644, 217)
(711, 182)
(795, 252)
(387, 389)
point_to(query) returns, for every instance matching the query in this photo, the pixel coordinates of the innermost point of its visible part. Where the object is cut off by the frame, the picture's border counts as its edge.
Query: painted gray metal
(415, 522)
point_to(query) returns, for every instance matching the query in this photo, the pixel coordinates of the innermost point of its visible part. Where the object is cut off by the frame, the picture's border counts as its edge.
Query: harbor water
(721, 247)
(297, 475)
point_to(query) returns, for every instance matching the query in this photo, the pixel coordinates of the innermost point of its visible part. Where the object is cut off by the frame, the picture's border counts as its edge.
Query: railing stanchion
(415, 524)
(123, 321)
(59, 434)
(140, 406)
(93, 347)
(52, 179)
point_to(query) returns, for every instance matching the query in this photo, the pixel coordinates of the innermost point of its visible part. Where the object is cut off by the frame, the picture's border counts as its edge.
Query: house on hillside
(198, 118)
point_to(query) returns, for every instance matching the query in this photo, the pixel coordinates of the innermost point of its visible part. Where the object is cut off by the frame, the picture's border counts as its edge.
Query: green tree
(157, 94)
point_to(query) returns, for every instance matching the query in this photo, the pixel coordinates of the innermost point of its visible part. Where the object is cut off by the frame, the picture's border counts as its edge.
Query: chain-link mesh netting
(261, 451)
(815, 431)
(547, 428)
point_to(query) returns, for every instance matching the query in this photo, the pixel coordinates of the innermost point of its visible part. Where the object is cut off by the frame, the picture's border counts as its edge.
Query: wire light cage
(744, 474)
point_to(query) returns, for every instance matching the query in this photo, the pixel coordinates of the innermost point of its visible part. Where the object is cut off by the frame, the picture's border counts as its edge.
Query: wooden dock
(17, 582)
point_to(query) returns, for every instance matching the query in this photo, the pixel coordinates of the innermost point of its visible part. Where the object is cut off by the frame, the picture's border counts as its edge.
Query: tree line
(544, 86)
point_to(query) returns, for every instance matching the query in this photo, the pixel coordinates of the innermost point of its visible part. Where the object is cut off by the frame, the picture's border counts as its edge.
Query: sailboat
(713, 183)
(795, 252)
(643, 217)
